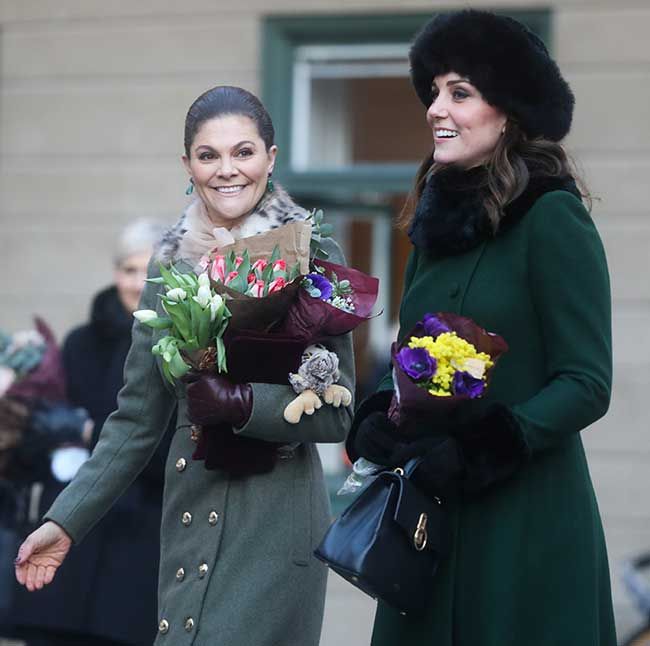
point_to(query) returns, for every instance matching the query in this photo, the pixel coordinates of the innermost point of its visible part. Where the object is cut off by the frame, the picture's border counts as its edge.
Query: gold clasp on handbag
(420, 536)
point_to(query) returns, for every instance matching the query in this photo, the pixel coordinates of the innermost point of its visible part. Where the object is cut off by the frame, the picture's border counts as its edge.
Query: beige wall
(92, 100)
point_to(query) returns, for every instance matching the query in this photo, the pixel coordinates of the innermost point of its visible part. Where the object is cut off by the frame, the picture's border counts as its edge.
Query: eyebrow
(453, 82)
(237, 145)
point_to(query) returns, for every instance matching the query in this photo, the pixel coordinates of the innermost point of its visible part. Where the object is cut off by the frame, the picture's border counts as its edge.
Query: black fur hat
(504, 60)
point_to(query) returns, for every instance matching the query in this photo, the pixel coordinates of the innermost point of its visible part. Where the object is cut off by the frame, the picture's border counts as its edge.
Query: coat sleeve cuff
(493, 449)
(379, 401)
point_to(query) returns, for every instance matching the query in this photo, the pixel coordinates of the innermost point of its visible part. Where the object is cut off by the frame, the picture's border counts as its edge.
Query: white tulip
(177, 294)
(145, 315)
(204, 280)
(203, 296)
(215, 305)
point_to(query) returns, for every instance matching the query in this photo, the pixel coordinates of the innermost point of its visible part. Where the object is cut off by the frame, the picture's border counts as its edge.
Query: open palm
(40, 556)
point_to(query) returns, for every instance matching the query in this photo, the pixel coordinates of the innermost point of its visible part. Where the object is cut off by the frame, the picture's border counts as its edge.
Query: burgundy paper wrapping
(415, 403)
(311, 318)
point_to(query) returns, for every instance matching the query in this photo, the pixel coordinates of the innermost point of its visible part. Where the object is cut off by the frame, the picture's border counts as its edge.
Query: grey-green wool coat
(236, 554)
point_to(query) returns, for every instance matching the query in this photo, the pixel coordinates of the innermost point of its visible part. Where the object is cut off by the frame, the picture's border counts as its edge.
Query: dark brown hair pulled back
(227, 100)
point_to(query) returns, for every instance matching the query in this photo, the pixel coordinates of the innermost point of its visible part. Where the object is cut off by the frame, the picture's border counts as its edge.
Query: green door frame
(283, 34)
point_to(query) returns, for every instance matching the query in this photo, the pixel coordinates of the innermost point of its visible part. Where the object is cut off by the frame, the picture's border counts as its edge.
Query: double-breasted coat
(236, 564)
(528, 563)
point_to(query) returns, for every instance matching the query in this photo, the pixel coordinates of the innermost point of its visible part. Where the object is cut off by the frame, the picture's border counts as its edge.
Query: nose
(437, 110)
(227, 168)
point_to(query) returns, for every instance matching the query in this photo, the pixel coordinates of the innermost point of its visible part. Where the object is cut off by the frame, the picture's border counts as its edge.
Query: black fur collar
(450, 218)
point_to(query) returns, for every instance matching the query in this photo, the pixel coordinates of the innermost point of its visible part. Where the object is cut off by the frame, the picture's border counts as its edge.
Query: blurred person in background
(106, 595)
(36, 421)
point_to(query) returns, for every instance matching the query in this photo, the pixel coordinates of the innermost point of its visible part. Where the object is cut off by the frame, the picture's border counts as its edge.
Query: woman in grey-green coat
(236, 547)
(501, 236)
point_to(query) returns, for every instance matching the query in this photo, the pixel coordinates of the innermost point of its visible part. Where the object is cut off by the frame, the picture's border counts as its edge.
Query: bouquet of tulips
(196, 317)
(260, 301)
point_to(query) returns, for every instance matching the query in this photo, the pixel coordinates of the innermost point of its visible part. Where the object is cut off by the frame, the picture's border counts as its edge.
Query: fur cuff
(379, 401)
(493, 448)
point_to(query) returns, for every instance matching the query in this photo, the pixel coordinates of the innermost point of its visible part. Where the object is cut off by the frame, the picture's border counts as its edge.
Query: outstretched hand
(40, 556)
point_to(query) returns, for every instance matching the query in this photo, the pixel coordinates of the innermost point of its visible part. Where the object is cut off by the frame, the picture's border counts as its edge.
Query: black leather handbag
(389, 541)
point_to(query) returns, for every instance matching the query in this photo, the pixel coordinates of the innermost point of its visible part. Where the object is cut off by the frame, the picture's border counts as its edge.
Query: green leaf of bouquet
(221, 355)
(275, 254)
(203, 329)
(178, 367)
(167, 373)
(267, 273)
(159, 280)
(326, 230)
(160, 323)
(168, 276)
(230, 262)
(180, 319)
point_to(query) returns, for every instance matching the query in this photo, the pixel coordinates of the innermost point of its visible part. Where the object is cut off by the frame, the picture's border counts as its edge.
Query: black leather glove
(213, 399)
(442, 467)
(475, 456)
(378, 440)
(378, 402)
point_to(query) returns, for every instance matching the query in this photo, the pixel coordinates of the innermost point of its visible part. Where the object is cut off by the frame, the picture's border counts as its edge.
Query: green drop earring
(190, 188)
(269, 185)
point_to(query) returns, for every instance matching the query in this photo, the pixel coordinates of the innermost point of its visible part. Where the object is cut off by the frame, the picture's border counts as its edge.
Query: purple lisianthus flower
(417, 363)
(465, 384)
(322, 285)
(433, 326)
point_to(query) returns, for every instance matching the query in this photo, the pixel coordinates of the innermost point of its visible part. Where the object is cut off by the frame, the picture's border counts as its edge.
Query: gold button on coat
(187, 518)
(189, 624)
(181, 463)
(163, 626)
(203, 570)
(213, 518)
(180, 574)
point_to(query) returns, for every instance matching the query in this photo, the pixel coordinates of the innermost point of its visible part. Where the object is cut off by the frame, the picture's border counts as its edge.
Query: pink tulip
(280, 265)
(218, 269)
(238, 261)
(256, 290)
(231, 276)
(204, 261)
(259, 266)
(251, 278)
(277, 285)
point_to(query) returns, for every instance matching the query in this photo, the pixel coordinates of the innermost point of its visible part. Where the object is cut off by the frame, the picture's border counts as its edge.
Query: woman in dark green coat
(500, 235)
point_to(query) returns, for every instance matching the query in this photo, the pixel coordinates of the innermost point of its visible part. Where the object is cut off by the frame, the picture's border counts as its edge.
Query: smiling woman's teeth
(229, 189)
(446, 133)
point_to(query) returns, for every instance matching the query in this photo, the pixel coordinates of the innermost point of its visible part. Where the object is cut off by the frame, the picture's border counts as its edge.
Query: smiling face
(229, 165)
(465, 127)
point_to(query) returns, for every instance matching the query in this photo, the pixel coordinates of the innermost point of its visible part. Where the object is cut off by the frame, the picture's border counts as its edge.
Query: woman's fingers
(40, 555)
(50, 571)
(40, 577)
(31, 577)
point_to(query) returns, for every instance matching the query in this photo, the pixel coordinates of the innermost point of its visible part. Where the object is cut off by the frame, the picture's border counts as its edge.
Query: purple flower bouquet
(444, 360)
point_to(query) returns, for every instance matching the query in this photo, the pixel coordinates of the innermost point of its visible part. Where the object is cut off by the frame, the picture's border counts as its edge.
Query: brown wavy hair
(513, 162)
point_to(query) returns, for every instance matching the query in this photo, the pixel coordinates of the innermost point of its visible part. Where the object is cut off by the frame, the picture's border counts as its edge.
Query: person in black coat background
(106, 595)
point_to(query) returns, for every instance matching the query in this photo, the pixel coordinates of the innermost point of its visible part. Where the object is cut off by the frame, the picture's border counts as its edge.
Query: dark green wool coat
(236, 566)
(528, 564)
